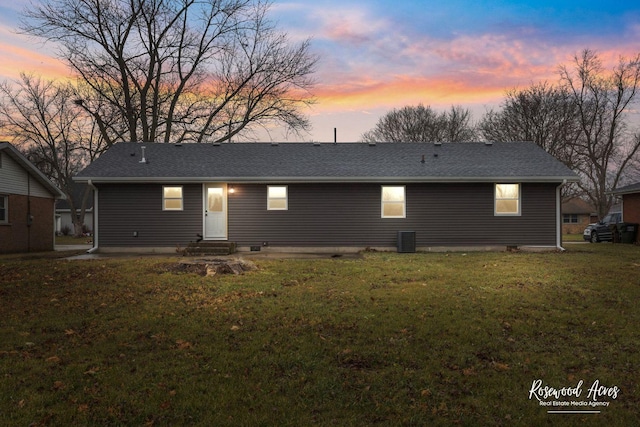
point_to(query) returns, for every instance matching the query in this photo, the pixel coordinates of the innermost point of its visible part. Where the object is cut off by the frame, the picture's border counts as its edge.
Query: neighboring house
(630, 203)
(577, 214)
(331, 196)
(27, 201)
(63, 211)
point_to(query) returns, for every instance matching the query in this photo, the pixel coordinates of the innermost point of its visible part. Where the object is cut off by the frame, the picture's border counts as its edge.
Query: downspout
(559, 217)
(95, 217)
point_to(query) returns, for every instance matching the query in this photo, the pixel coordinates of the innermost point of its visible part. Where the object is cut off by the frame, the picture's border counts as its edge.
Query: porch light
(231, 189)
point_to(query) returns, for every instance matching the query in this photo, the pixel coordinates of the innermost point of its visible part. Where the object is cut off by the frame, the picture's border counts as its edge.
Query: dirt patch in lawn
(208, 267)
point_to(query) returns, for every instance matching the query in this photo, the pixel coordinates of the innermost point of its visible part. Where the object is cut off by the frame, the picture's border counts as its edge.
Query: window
(4, 209)
(393, 202)
(570, 218)
(215, 199)
(507, 199)
(277, 198)
(171, 198)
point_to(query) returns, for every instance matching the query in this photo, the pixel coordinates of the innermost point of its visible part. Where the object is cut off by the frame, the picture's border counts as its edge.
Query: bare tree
(179, 70)
(607, 146)
(459, 126)
(54, 135)
(542, 113)
(422, 124)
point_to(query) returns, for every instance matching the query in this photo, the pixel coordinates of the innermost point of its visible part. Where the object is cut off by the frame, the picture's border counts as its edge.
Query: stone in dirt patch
(211, 267)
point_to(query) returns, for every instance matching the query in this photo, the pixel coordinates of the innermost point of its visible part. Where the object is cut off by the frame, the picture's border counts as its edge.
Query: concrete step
(212, 244)
(210, 248)
(206, 253)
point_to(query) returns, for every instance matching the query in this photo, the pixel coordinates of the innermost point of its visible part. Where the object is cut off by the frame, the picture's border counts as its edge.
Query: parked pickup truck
(601, 231)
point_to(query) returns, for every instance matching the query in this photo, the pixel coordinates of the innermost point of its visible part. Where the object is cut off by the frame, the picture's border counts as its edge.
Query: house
(63, 211)
(348, 196)
(577, 214)
(630, 195)
(27, 200)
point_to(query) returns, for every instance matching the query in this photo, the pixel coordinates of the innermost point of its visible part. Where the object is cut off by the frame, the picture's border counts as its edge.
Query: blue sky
(378, 55)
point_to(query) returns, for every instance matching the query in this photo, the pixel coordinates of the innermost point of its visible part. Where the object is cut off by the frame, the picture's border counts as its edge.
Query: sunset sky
(378, 55)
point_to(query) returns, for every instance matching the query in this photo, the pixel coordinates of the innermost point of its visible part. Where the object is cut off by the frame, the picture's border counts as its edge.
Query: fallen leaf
(92, 371)
(500, 366)
(468, 372)
(183, 345)
(53, 359)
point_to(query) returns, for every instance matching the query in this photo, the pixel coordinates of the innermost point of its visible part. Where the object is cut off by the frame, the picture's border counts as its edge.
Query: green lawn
(572, 238)
(389, 339)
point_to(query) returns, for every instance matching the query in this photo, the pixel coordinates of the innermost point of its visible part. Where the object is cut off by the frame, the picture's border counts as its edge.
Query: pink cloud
(466, 69)
(348, 25)
(405, 90)
(21, 54)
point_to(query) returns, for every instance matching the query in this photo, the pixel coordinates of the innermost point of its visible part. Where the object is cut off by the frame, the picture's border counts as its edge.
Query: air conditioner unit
(406, 241)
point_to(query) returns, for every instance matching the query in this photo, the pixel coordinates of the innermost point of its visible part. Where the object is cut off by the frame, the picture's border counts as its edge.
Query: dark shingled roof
(345, 162)
(577, 206)
(77, 193)
(627, 189)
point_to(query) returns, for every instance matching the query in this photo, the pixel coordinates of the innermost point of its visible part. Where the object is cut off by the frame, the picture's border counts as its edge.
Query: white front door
(215, 211)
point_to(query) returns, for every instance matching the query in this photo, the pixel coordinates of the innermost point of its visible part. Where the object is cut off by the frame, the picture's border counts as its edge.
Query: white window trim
(285, 198)
(6, 209)
(404, 202)
(181, 198)
(495, 200)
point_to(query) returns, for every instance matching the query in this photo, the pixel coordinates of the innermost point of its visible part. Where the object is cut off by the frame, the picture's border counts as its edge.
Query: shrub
(66, 230)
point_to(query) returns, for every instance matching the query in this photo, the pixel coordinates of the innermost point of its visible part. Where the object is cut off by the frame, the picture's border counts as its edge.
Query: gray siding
(128, 208)
(330, 215)
(349, 215)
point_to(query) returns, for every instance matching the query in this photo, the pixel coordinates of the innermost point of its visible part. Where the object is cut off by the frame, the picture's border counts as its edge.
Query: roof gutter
(95, 217)
(325, 179)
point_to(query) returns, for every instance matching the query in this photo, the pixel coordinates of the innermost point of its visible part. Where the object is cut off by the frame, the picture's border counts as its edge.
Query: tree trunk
(78, 212)
(77, 229)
